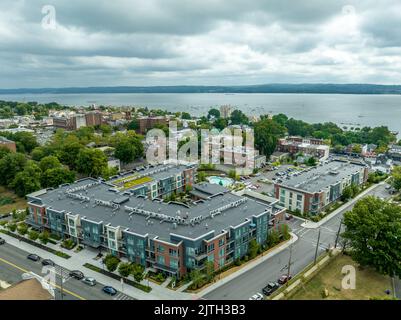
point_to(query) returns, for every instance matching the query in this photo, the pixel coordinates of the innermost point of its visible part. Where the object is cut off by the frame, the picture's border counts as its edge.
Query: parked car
(109, 290)
(288, 216)
(76, 274)
(2, 241)
(257, 296)
(270, 288)
(284, 279)
(48, 262)
(33, 257)
(89, 281)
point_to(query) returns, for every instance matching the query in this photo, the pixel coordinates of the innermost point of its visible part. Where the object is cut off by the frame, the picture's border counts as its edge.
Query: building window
(160, 260)
(173, 252)
(221, 242)
(160, 248)
(210, 247)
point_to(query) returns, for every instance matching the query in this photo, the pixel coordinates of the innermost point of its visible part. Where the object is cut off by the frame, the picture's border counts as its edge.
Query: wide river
(370, 110)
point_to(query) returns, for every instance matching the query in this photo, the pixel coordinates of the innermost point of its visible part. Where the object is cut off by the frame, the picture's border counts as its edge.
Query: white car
(257, 296)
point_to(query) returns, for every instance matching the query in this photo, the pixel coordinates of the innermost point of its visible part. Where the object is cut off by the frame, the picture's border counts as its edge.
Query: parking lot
(270, 177)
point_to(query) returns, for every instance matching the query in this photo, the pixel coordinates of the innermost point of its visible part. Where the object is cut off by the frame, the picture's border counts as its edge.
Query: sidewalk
(77, 261)
(313, 225)
(249, 266)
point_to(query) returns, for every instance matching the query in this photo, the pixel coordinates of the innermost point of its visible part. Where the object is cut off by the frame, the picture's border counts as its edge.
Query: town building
(9, 144)
(307, 146)
(146, 123)
(172, 237)
(311, 190)
(394, 152)
(93, 118)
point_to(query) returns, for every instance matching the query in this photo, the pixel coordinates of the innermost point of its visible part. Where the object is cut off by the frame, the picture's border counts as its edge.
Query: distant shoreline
(365, 89)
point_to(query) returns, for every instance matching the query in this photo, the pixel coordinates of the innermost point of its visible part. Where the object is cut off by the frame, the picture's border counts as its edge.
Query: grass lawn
(368, 284)
(18, 203)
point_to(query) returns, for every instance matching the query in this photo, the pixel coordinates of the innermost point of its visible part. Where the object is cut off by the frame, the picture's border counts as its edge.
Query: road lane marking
(53, 284)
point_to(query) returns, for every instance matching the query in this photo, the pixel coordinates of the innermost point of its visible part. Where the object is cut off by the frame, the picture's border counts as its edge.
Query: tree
(201, 176)
(22, 229)
(281, 119)
(111, 262)
(238, 117)
(10, 165)
(52, 178)
(373, 228)
(27, 181)
(91, 162)
(33, 235)
(185, 115)
(137, 271)
(133, 125)
(311, 162)
(220, 123)
(213, 113)
(124, 269)
(396, 178)
(49, 162)
(4, 151)
(125, 151)
(267, 133)
(44, 237)
(273, 238)
(347, 193)
(253, 249)
(27, 140)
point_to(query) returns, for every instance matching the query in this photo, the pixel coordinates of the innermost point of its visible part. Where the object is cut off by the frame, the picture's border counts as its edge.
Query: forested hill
(263, 88)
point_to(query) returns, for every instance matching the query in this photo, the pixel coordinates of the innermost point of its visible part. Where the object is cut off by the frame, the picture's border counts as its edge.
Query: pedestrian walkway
(122, 296)
(166, 282)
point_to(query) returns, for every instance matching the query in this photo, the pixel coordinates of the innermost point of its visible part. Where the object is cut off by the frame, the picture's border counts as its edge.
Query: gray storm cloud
(167, 42)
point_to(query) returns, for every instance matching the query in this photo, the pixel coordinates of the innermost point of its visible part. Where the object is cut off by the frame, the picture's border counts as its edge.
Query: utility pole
(289, 264)
(317, 247)
(338, 234)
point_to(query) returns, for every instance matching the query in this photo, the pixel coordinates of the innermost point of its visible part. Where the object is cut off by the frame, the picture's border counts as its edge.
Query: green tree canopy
(373, 228)
(10, 165)
(27, 181)
(267, 133)
(91, 162)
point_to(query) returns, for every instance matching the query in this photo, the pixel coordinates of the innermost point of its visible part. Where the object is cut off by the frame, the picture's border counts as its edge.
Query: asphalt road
(303, 253)
(14, 263)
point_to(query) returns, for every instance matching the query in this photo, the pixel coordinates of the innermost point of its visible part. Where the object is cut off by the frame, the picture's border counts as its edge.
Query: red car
(284, 279)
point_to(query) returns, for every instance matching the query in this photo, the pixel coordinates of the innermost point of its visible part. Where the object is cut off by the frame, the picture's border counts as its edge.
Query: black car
(109, 290)
(2, 241)
(33, 257)
(270, 288)
(76, 274)
(48, 262)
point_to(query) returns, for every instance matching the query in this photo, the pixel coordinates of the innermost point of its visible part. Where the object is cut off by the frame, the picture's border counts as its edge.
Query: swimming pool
(223, 181)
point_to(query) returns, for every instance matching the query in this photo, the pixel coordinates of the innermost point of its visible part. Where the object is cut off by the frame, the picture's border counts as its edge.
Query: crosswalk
(122, 296)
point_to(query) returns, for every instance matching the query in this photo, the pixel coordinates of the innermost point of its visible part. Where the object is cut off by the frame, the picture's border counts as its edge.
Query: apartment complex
(173, 238)
(307, 146)
(146, 123)
(311, 190)
(77, 120)
(9, 144)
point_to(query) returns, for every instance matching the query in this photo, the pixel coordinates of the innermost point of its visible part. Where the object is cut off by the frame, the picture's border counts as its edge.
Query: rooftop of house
(322, 176)
(30, 289)
(99, 202)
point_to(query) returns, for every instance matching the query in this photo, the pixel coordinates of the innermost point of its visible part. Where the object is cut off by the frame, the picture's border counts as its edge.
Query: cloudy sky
(212, 42)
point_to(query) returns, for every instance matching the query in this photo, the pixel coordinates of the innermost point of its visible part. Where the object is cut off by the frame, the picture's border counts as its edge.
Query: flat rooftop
(155, 218)
(320, 177)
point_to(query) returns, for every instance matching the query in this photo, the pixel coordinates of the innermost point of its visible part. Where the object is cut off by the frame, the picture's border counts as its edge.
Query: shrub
(55, 236)
(33, 235)
(22, 229)
(68, 244)
(44, 237)
(12, 226)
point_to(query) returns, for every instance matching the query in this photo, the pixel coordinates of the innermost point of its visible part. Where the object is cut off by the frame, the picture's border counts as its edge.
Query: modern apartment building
(307, 146)
(313, 189)
(172, 237)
